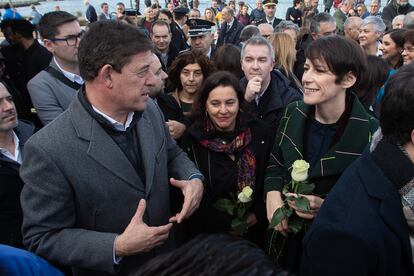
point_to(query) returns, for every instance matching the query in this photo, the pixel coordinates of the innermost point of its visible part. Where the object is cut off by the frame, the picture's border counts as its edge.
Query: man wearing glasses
(53, 89)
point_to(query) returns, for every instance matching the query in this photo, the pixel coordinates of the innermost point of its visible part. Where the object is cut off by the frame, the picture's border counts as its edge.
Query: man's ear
(348, 80)
(48, 45)
(105, 75)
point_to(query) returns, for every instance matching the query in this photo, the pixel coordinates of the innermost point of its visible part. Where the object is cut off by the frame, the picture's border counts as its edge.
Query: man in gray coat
(86, 171)
(53, 89)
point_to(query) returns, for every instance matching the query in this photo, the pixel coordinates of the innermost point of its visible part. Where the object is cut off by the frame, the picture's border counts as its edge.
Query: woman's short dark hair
(342, 55)
(184, 59)
(295, 2)
(109, 42)
(227, 58)
(397, 107)
(219, 78)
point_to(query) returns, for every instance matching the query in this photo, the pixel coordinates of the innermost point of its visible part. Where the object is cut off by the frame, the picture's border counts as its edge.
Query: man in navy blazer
(362, 226)
(230, 29)
(96, 194)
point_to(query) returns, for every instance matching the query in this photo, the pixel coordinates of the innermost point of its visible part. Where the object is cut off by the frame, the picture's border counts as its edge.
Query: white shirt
(270, 21)
(117, 125)
(73, 77)
(229, 25)
(17, 157)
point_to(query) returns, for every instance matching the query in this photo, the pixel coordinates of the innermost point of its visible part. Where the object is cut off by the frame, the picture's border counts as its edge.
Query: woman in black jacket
(231, 149)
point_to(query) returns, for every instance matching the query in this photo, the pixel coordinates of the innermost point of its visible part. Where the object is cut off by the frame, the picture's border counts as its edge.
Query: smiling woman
(230, 148)
(329, 129)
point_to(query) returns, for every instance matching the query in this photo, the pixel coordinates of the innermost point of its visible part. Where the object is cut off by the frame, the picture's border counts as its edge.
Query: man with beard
(53, 89)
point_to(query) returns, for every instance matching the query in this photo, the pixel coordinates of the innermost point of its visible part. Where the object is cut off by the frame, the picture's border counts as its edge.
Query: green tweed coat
(288, 147)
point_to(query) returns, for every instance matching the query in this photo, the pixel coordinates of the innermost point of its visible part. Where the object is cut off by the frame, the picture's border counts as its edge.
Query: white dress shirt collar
(17, 157)
(117, 125)
(73, 77)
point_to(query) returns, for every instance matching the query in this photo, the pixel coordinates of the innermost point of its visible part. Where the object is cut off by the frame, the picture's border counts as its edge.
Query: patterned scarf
(246, 164)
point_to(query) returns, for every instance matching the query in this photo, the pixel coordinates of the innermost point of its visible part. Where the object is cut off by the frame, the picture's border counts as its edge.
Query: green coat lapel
(356, 136)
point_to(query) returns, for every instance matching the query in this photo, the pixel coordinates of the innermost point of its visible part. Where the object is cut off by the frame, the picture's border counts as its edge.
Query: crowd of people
(215, 142)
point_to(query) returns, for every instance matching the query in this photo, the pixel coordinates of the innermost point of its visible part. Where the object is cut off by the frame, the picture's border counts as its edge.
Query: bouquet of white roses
(237, 207)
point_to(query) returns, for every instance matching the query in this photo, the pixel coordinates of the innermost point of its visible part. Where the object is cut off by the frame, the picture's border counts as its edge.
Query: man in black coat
(230, 29)
(13, 135)
(24, 57)
(90, 13)
(267, 91)
(396, 7)
(179, 39)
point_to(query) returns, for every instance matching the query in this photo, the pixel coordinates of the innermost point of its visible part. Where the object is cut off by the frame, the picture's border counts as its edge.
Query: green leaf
(279, 215)
(241, 212)
(296, 225)
(302, 203)
(225, 205)
(305, 189)
(239, 226)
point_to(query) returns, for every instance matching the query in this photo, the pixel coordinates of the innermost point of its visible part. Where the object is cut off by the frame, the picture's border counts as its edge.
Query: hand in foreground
(138, 236)
(315, 204)
(193, 193)
(253, 88)
(251, 220)
(273, 202)
(175, 128)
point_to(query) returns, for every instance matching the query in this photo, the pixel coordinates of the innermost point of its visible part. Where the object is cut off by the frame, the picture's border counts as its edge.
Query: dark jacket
(278, 95)
(392, 10)
(360, 229)
(289, 146)
(10, 188)
(300, 56)
(91, 14)
(256, 16)
(230, 36)
(275, 22)
(178, 39)
(221, 180)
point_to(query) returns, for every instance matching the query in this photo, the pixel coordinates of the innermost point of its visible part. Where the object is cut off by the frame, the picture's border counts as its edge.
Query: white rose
(300, 170)
(245, 195)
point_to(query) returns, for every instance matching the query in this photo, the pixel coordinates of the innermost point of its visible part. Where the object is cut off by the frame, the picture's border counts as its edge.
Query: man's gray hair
(248, 32)
(409, 20)
(287, 25)
(229, 11)
(322, 17)
(377, 23)
(351, 20)
(258, 40)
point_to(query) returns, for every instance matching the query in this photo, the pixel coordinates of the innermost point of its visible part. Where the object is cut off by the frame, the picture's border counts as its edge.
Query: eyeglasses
(71, 40)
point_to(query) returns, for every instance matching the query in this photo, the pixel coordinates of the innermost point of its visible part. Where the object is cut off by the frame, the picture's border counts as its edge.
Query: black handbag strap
(59, 75)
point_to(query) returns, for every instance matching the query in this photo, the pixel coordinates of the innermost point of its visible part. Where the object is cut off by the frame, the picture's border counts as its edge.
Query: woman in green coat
(329, 129)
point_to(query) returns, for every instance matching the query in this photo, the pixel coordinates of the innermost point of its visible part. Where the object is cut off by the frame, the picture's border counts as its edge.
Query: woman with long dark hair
(230, 148)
